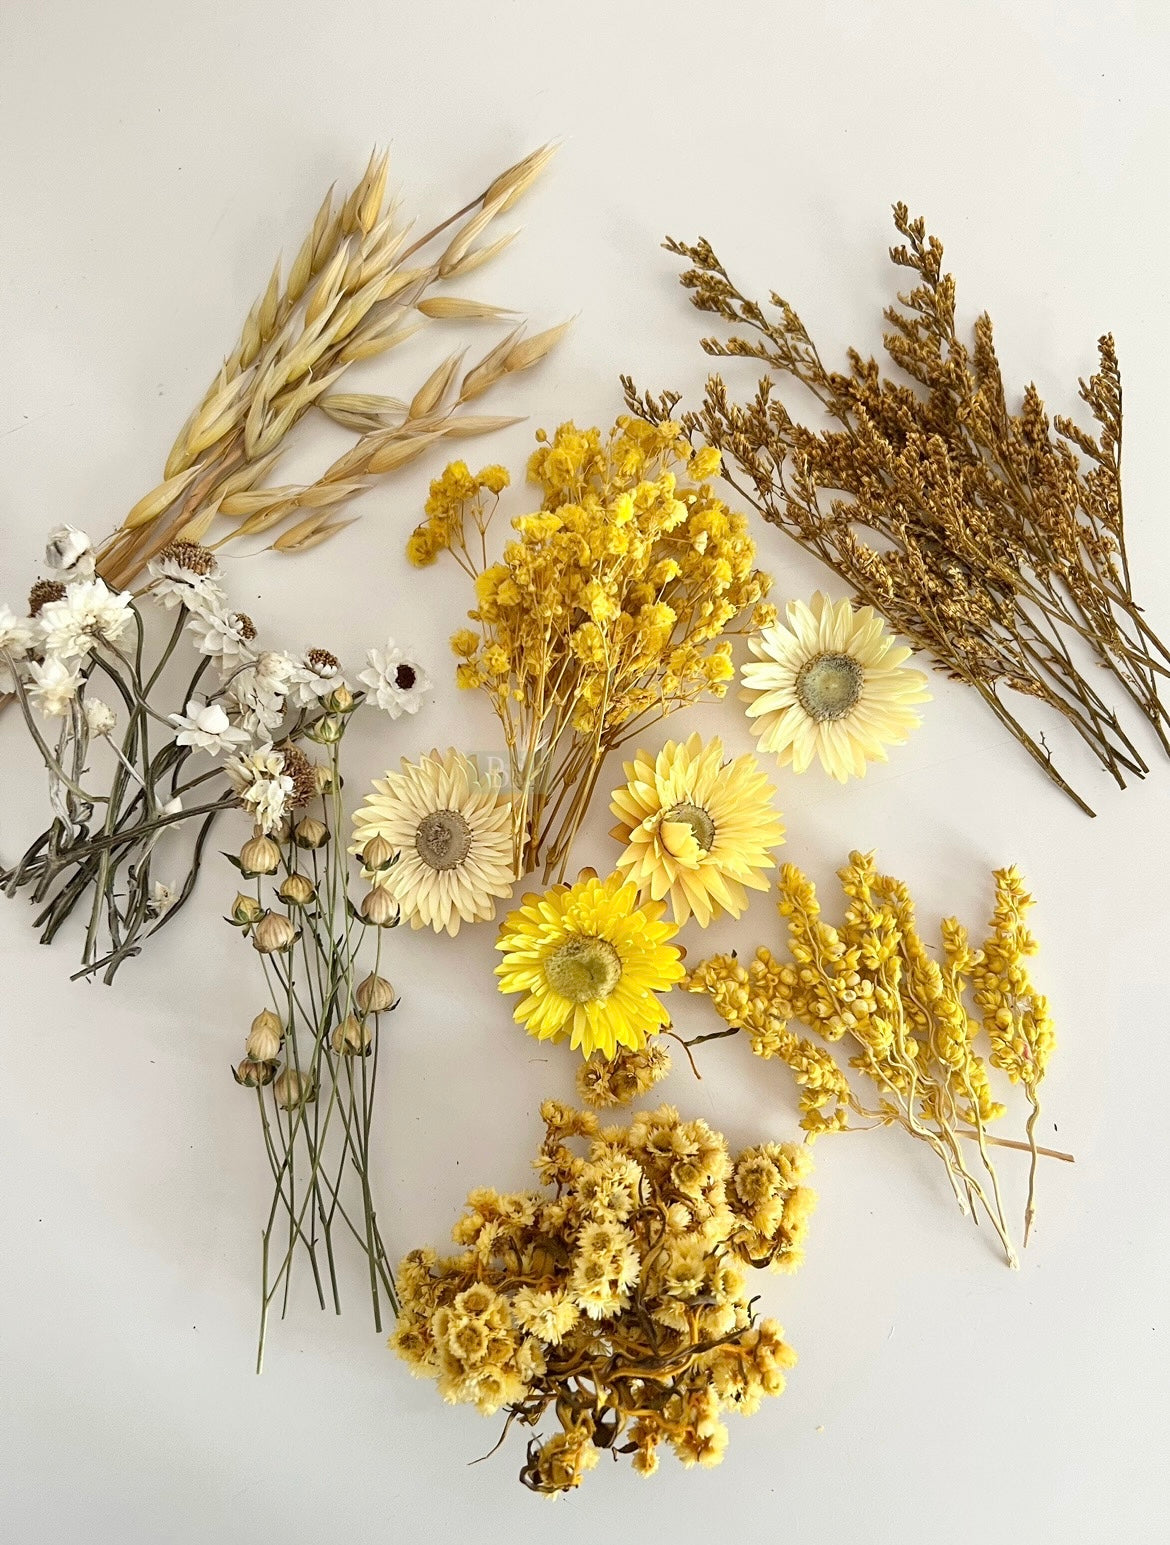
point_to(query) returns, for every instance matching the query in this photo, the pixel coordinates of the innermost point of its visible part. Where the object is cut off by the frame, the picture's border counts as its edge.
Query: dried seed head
(352, 1037)
(274, 933)
(321, 661)
(293, 1089)
(246, 626)
(259, 855)
(254, 1075)
(245, 910)
(375, 995)
(310, 833)
(297, 890)
(300, 769)
(377, 854)
(44, 591)
(265, 1037)
(191, 556)
(379, 908)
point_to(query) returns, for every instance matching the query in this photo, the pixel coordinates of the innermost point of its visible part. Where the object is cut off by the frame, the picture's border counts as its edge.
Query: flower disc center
(700, 823)
(443, 839)
(583, 969)
(829, 686)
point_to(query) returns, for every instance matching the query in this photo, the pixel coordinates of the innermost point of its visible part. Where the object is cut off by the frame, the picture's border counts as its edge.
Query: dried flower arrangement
(613, 606)
(992, 540)
(616, 1300)
(321, 951)
(873, 984)
(355, 290)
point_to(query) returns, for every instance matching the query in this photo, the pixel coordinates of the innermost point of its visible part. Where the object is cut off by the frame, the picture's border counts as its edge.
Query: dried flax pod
(356, 288)
(992, 540)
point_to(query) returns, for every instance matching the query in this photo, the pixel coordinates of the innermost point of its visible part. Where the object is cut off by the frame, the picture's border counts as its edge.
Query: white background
(155, 159)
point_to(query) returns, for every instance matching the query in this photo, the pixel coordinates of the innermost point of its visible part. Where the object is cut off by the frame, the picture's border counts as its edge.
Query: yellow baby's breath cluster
(616, 1301)
(603, 1081)
(873, 984)
(611, 606)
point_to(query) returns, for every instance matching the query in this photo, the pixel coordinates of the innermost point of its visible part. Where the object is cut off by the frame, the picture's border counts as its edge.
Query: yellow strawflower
(589, 961)
(697, 829)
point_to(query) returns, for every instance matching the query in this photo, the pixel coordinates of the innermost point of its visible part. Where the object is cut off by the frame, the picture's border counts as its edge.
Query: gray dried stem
(992, 540)
(355, 290)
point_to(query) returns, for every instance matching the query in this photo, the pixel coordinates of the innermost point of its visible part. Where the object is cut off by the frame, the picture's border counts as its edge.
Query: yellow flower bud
(374, 995)
(379, 908)
(245, 910)
(259, 856)
(293, 1089)
(274, 933)
(377, 854)
(310, 833)
(254, 1075)
(265, 1037)
(352, 1036)
(297, 890)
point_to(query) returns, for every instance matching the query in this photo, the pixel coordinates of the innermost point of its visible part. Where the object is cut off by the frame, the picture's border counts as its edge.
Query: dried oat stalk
(356, 288)
(993, 540)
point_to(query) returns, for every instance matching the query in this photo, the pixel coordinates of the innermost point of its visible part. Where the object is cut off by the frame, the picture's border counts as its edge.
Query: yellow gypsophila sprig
(615, 1300)
(872, 986)
(613, 604)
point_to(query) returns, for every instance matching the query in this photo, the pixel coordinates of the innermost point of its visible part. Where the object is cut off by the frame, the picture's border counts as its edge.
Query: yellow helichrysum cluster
(611, 606)
(616, 1302)
(873, 983)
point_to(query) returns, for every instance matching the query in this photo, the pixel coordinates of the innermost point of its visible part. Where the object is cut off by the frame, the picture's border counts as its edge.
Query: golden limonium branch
(992, 539)
(611, 1310)
(871, 985)
(357, 288)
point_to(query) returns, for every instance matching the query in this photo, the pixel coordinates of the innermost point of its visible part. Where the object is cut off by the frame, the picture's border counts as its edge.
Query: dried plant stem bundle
(872, 985)
(993, 540)
(312, 1054)
(356, 288)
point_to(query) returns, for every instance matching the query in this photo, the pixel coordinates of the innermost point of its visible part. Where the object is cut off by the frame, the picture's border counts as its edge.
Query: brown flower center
(443, 839)
(405, 677)
(583, 969)
(700, 823)
(829, 686)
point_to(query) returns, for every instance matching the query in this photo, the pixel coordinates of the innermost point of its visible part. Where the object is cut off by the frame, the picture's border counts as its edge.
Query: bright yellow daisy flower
(697, 829)
(589, 961)
(831, 685)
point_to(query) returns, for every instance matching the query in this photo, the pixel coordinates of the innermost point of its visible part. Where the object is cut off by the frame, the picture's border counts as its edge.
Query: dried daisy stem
(355, 289)
(993, 541)
(312, 1054)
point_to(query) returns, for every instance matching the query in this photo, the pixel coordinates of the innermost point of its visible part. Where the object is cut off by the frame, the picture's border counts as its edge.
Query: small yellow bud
(374, 995)
(340, 700)
(352, 1037)
(377, 854)
(265, 1037)
(293, 1089)
(274, 933)
(297, 890)
(328, 730)
(322, 777)
(259, 856)
(245, 910)
(254, 1075)
(379, 908)
(310, 833)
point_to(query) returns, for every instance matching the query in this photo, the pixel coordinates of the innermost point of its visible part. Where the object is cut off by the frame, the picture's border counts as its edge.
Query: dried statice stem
(992, 540)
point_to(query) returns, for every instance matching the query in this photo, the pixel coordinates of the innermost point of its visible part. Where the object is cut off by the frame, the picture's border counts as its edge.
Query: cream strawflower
(262, 785)
(52, 686)
(206, 727)
(395, 680)
(452, 830)
(831, 685)
(88, 614)
(697, 829)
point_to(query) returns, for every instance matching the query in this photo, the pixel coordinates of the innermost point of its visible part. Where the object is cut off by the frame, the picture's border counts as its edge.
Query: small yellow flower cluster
(610, 607)
(603, 1081)
(874, 983)
(618, 1300)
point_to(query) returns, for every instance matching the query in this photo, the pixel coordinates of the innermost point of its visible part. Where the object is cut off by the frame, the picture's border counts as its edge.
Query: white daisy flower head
(186, 574)
(53, 684)
(17, 636)
(256, 695)
(70, 551)
(206, 727)
(88, 615)
(395, 680)
(452, 830)
(317, 673)
(100, 718)
(832, 686)
(225, 637)
(262, 785)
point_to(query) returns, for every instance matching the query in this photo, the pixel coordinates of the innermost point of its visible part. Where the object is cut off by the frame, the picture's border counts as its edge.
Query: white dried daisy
(52, 686)
(88, 614)
(186, 574)
(225, 637)
(17, 636)
(262, 785)
(206, 727)
(395, 680)
(452, 830)
(315, 675)
(831, 685)
(100, 718)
